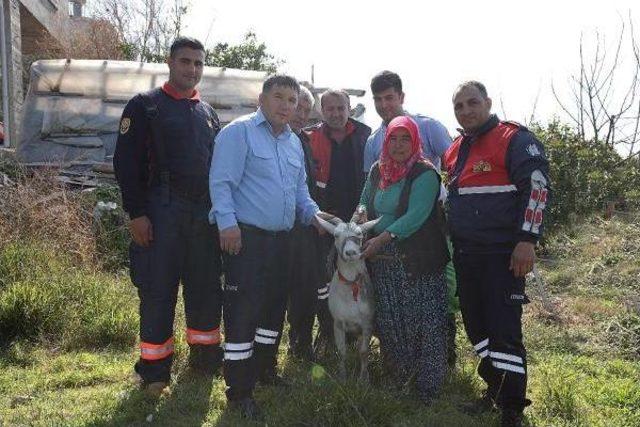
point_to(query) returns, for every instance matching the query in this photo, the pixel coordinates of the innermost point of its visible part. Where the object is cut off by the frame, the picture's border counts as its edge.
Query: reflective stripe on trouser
(150, 351)
(211, 337)
(323, 293)
(492, 320)
(254, 308)
(184, 249)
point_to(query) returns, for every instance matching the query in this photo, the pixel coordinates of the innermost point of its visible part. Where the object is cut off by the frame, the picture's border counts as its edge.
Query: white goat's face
(348, 241)
(348, 236)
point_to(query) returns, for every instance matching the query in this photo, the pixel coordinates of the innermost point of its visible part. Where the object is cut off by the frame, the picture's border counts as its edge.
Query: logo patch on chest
(482, 166)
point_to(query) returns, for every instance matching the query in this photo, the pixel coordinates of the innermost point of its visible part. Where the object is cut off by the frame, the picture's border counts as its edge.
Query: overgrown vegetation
(56, 262)
(586, 176)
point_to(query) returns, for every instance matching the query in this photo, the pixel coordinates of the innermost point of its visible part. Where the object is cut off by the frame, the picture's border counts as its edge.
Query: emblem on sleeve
(125, 124)
(537, 203)
(533, 150)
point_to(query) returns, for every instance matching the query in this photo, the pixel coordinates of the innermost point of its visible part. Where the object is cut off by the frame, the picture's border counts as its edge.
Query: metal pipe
(6, 76)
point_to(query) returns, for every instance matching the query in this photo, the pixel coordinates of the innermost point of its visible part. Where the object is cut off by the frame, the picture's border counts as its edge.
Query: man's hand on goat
(373, 245)
(231, 240)
(522, 259)
(316, 223)
(141, 231)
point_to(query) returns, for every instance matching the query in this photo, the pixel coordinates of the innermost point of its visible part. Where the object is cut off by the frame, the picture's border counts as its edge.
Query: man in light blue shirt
(258, 186)
(388, 98)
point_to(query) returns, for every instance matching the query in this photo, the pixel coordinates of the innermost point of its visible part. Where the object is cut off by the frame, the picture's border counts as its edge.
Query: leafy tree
(585, 174)
(248, 55)
(146, 28)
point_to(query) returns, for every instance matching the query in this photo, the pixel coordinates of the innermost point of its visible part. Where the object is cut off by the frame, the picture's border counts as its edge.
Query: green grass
(44, 296)
(69, 330)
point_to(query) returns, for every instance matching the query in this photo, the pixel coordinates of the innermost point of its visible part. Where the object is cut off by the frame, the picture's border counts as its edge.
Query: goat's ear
(369, 225)
(331, 229)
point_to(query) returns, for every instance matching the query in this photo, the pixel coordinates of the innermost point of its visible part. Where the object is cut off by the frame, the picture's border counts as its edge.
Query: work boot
(270, 378)
(205, 359)
(480, 405)
(151, 389)
(511, 418)
(155, 389)
(247, 407)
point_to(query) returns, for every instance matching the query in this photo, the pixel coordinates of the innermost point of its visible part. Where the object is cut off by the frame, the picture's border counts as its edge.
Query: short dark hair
(385, 80)
(472, 83)
(338, 93)
(280, 80)
(181, 42)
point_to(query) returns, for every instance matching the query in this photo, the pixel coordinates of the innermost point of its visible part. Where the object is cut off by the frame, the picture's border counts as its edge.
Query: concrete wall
(12, 81)
(49, 13)
(28, 24)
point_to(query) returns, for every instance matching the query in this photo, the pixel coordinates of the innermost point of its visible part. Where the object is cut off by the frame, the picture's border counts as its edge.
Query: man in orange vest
(337, 146)
(498, 192)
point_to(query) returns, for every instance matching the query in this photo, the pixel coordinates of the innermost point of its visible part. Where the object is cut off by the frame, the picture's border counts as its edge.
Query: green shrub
(110, 230)
(585, 175)
(66, 306)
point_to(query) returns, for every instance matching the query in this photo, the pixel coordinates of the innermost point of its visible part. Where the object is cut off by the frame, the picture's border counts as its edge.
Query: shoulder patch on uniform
(533, 150)
(125, 124)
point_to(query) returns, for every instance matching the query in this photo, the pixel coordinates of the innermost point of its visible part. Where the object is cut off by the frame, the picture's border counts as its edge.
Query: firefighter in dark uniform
(162, 160)
(306, 272)
(498, 192)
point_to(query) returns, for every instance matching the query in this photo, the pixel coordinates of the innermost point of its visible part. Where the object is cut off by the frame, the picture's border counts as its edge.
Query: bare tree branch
(599, 101)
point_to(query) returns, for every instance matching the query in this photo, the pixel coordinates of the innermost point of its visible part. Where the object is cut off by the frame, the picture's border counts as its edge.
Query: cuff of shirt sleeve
(226, 221)
(309, 217)
(396, 234)
(527, 237)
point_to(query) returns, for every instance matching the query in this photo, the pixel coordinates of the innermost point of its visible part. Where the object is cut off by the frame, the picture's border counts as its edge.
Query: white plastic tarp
(73, 107)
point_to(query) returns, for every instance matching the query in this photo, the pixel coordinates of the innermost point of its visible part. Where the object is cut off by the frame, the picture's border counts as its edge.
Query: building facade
(27, 27)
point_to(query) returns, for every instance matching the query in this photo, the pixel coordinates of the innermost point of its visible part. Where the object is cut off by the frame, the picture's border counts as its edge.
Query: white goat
(351, 299)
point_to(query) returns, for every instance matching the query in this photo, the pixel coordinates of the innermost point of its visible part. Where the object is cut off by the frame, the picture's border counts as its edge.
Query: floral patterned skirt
(411, 316)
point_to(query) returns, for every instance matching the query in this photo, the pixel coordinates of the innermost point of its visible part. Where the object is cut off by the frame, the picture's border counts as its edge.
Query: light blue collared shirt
(257, 178)
(435, 141)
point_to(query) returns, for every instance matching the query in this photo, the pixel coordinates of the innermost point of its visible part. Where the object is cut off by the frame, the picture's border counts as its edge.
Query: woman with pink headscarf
(407, 258)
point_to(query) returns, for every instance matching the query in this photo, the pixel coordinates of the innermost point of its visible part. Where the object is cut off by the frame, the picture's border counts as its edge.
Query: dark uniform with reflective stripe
(498, 192)
(162, 163)
(307, 287)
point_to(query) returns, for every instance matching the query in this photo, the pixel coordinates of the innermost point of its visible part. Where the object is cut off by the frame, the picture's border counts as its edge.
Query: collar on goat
(355, 284)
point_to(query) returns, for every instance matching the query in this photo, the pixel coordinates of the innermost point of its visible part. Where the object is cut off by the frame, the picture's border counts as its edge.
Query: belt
(261, 231)
(189, 194)
(184, 190)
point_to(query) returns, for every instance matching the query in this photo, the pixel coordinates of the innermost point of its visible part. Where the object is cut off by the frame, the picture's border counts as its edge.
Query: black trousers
(306, 286)
(491, 300)
(324, 339)
(255, 298)
(185, 248)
